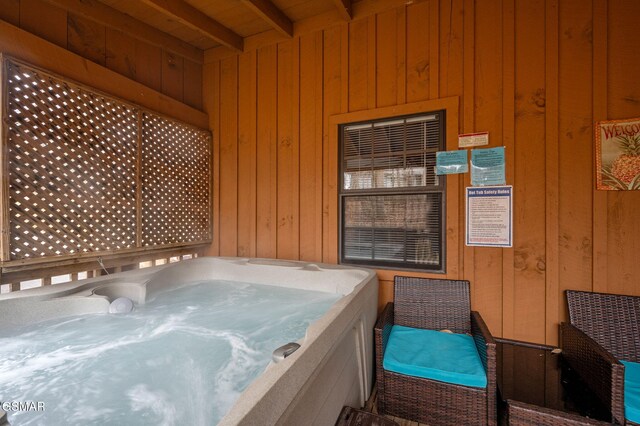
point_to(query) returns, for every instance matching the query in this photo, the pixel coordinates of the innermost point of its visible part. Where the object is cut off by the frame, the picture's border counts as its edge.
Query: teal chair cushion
(632, 391)
(445, 357)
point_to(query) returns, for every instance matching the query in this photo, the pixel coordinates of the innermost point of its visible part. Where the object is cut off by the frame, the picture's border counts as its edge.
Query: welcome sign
(618, 154)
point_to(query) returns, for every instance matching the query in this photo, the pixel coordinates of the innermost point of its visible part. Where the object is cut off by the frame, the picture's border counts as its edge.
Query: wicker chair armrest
(600, 370)
(381, 332)
(481, 335)
(479, 326)
(382, 329)
(486, 345)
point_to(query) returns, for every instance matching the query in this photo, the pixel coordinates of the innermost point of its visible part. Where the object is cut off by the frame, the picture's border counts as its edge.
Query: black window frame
(440, 189)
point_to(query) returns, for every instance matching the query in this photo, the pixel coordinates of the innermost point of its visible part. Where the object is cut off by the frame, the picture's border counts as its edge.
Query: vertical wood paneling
(211, 86)
(288, 150)
(372, 55)
(385, 293)
(358, 64)
(247, 137)
(434, 47)
(467, 113)
(87, 38)
(508, 138)
(386, 59)
(192, 80)
(149, 65)
(575, 127)
(451, 25)
(623, 91)
(267, 153)
(417, 52)
(334, 98)
(513, 64)
(344, 72)
(529, 190)
(10, 11)
(173, 75)
(121, 53)
(401, 51)
(551, 172)
(600, 214)
(451, 45)
(44, 20)
(487, 289)
(454, 206)
(623, 100)
(311, 72)
(229, 157)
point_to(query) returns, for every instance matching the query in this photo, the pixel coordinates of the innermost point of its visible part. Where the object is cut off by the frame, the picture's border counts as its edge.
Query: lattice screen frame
(5, 195)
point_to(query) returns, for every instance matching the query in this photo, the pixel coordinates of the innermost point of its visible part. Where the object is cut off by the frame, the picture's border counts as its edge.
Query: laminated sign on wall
(489, 216)
(488, 166)
(451, 162)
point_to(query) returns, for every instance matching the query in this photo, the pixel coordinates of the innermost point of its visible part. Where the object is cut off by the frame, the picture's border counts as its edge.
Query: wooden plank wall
(536, 74)
(156, 68)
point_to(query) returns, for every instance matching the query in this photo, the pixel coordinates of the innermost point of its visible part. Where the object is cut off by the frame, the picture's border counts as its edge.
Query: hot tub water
(182, 358)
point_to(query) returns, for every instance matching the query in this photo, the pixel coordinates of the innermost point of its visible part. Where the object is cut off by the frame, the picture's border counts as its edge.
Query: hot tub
(332, 367)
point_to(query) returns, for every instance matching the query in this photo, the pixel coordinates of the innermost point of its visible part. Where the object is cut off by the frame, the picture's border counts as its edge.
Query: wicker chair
(435, 305)
(603, 329)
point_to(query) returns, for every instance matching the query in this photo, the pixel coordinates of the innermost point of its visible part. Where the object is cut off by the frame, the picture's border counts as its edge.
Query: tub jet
(284, 351)
(121, 305)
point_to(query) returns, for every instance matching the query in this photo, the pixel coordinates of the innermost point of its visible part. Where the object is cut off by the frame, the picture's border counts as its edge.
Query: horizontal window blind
(393, 228)
(392, 206)
(391, 154)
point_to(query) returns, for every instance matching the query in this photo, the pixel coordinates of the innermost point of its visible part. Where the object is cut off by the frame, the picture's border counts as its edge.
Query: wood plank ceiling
(206, 24)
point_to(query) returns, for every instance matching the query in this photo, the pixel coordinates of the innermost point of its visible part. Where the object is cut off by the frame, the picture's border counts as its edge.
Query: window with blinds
(391, 201)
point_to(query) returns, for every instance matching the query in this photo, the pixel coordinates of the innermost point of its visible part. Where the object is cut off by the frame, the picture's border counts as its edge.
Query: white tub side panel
(328, 355)
(20, 312)
(337, 384)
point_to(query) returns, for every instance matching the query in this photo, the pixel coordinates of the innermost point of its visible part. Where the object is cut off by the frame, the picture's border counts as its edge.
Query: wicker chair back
(612, 320)
(432, 304)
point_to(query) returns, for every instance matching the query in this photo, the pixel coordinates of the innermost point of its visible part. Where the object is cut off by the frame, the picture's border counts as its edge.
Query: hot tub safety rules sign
(489, 216)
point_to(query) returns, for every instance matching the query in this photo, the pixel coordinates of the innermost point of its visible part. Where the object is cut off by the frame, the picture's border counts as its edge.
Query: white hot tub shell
(333, 366)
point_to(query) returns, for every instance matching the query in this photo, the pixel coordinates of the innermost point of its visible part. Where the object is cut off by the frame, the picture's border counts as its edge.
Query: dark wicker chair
(435, 304)
(603, 329)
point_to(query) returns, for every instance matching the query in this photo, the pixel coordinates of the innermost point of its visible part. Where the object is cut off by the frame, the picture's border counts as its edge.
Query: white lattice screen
(71, 155)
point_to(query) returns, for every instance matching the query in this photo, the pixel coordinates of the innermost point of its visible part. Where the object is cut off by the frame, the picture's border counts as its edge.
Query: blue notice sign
(452, 162)
(487, 166)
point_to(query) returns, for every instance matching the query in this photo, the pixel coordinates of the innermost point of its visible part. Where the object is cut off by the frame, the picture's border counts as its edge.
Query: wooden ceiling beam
(270, 13)
(361, 9)
(112, 18)
(344, 8)
(198, 21)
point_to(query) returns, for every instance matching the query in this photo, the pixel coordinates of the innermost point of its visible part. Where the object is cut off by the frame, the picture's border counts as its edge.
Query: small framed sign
(468, 140)
(618, 155)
